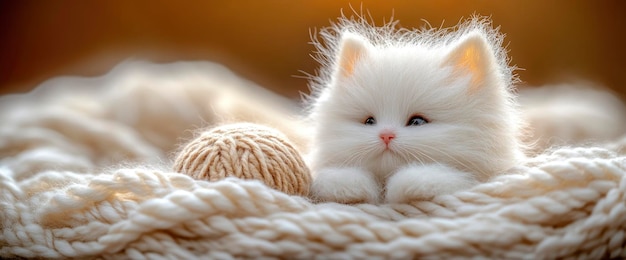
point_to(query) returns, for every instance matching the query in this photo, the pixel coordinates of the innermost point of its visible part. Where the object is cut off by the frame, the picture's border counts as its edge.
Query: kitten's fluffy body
(459, 80)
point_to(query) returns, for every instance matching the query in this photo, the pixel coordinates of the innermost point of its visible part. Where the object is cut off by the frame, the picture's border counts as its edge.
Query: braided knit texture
(84, 173)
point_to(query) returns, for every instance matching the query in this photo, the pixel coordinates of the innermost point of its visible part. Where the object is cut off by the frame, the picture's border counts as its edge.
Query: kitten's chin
(386, 164)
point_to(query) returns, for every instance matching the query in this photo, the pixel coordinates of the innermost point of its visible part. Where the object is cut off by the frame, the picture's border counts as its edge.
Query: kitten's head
(416, 100)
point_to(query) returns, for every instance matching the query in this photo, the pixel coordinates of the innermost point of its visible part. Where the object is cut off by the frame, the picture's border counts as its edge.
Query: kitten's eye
(370, 121)
(416, 120)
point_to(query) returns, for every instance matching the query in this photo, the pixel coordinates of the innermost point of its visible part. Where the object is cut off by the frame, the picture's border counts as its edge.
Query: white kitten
(406, 115)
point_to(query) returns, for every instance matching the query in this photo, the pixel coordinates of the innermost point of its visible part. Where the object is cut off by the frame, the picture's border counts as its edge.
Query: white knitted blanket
(66, 193)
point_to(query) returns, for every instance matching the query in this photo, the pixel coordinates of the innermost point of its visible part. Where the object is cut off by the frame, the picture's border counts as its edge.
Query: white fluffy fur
(419, 182)
(392, 74)
(346, 185)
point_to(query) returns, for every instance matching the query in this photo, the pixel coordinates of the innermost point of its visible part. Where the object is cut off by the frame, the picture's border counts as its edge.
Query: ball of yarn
(246, 151)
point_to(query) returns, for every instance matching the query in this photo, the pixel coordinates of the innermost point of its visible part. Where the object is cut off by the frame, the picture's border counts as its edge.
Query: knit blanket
(86, 172)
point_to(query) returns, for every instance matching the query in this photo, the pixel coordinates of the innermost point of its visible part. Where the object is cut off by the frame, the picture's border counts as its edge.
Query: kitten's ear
(351, 48)
(472, 55)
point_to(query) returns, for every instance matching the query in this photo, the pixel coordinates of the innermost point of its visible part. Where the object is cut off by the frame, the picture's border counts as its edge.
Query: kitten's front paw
(345, 185)
(423, 182)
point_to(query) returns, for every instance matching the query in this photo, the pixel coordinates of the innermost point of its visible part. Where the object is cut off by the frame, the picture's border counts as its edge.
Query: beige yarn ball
(246, 151)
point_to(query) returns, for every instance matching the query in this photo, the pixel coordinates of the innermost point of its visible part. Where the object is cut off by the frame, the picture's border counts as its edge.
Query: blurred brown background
(267, 41)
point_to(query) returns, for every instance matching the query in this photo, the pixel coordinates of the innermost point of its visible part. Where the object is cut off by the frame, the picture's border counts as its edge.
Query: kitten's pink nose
(387, 136)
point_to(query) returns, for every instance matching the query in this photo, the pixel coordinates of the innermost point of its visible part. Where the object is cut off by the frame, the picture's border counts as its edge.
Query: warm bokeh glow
(267, 41)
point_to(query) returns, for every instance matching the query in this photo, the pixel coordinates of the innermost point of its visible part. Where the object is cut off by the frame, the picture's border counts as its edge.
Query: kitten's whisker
(474, 168)
(419, 155)
(404, 151)
(357, 157)
(347, 161)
